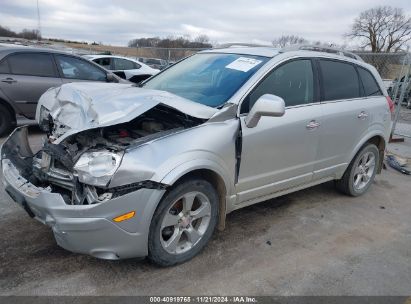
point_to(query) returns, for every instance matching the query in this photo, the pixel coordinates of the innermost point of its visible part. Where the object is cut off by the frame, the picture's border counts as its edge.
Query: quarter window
(369, 83)
(340, 80)
(32, 64)
(292, 81)
(74, 68)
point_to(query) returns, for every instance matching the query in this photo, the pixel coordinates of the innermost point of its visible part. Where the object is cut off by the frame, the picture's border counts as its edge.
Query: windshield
(207, 78)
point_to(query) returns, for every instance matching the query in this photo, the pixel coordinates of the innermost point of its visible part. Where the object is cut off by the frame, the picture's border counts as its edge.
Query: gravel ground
(312, 242)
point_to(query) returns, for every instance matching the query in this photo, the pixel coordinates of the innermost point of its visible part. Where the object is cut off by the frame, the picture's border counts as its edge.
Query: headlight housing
(96, 168)
(44, 119)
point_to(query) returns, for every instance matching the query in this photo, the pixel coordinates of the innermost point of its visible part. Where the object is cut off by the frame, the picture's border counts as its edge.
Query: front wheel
(361, 172)
(183, 223)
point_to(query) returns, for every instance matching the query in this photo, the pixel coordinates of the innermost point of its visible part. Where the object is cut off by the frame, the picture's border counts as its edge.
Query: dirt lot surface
(313, 242)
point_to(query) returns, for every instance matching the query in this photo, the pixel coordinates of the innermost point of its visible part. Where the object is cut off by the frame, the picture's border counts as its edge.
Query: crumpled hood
(84, 105)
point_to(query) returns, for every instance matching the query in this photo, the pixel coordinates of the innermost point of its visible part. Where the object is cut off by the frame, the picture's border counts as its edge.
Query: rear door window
(104, 62)
(339, 80)
(124, 64)
(4, 67)
(369, 83)
(74, 68)
(32, 64)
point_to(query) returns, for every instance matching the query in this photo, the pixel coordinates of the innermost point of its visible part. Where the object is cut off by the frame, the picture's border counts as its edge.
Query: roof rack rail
(319, 48)
(240, 44)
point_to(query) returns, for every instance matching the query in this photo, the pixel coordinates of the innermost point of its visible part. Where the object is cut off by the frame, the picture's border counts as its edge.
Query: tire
(358, 177)
(7, 120)
(177, 232)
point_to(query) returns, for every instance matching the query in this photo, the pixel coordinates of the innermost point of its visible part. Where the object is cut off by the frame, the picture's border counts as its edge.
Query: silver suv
(153, 170)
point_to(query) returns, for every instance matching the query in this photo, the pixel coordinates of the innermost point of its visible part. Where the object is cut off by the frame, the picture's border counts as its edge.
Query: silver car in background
(152, 170)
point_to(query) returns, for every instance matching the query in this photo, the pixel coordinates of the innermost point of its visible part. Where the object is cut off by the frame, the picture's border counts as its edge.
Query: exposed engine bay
(65, 167)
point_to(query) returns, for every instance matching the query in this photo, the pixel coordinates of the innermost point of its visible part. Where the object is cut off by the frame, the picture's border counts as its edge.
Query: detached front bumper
(87, 229)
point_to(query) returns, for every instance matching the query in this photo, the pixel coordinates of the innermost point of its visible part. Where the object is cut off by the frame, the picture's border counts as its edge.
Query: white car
(123, 67)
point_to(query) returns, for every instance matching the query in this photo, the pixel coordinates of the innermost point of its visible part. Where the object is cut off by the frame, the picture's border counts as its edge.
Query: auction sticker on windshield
(243, 64)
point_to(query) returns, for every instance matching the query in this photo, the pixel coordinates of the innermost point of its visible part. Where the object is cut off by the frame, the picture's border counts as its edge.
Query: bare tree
(383, 28)
(30, 34)
(202, 39)
(329, 44)
(287, 40)
(26, 33)
(6, 32)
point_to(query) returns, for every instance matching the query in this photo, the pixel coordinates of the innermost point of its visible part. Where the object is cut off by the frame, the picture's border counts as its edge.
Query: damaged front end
(89, 129)
(42, 184)
(81, 166)
(72, 183)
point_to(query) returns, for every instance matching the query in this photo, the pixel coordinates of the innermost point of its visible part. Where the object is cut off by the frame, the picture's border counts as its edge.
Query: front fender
(209, 146)
(199, 164)
(6, 101)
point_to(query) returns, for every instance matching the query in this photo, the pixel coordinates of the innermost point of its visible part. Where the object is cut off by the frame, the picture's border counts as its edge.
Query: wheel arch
(377, 139)
(5, 103)
(215, 178)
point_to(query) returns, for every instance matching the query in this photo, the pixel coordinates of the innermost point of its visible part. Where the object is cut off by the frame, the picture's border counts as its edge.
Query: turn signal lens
(124, 217)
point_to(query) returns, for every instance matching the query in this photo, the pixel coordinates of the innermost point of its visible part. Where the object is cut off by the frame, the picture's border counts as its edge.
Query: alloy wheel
(364, 171)
(185, 222)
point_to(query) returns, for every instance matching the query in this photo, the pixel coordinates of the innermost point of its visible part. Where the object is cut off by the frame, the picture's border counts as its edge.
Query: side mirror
(266, 105)
(111, 78)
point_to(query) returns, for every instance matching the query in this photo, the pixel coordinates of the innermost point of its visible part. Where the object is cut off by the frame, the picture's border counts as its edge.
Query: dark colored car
(155, 63)
(26, 73)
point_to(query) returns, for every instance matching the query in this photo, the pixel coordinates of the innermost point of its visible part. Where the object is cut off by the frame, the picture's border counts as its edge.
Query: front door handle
(363, 115)
(9, 80)
(313, 125)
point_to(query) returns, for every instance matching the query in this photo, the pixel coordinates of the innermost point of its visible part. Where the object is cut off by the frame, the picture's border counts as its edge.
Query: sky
(253, 21)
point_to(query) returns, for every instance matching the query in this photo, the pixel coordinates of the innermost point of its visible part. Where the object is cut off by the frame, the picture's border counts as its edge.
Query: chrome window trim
(293, 107)
(340, 100)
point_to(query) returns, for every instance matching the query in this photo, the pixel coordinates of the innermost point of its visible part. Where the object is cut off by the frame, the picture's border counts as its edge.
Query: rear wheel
(183, 223)
(361, 172)
(7, 120)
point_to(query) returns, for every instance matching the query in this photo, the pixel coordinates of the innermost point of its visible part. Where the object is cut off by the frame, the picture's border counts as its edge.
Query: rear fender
(362, 143)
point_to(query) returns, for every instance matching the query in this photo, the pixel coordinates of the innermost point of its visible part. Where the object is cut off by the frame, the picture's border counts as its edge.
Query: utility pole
(38, 22)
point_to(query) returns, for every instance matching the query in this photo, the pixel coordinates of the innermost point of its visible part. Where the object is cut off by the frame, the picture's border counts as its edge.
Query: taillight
(390, 104)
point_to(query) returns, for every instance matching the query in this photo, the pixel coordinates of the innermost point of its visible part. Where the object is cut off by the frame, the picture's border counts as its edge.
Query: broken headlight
(44, 119)
(96, 168)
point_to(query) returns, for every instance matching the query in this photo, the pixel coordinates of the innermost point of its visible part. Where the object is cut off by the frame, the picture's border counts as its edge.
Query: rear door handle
(313, 125)
(9, 80)
(363, 115)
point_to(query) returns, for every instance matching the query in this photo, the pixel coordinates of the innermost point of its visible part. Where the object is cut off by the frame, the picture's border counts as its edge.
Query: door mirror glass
(266, 105)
